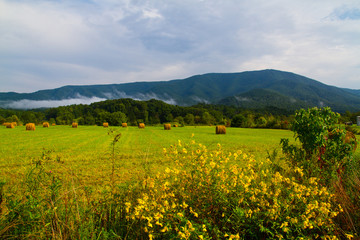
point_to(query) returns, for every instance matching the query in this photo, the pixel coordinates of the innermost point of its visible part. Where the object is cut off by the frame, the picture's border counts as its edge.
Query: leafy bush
(324, 152)
(230, 195)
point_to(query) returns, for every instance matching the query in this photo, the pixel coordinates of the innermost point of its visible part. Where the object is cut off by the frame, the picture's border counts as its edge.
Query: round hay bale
(141, 125)
(105, 124)
(14, 123)
(46, 124)
(30, 127)
(220, 129)
(167, 126)
(175, 125)
(124, 124)
(9, 125)
(74, 124)
(54, 124)
(351, 139)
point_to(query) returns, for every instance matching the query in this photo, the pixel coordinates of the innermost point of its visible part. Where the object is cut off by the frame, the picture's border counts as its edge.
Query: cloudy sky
(47, 44)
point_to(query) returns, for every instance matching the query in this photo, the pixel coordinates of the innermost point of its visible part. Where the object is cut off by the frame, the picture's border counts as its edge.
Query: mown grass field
(66, 183)
(86, 150)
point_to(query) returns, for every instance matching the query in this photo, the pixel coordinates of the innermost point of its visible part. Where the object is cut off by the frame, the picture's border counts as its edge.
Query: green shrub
(323, 149)
(230, 195)
(325, 152)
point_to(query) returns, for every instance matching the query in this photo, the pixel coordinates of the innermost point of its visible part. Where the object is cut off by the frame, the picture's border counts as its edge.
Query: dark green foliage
(326, 153)
(115, 112)
(238, 121)
(262, 98)
(323, 147)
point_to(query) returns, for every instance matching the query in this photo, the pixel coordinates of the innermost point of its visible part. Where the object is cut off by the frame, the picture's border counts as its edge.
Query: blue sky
(47, 44)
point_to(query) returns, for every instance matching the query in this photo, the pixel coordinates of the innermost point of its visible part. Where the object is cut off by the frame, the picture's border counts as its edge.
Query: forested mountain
(261, 98)
(353, 91)
(246, 89)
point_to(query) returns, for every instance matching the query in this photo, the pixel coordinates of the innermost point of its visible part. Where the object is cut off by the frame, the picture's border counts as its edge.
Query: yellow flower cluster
(230, 195)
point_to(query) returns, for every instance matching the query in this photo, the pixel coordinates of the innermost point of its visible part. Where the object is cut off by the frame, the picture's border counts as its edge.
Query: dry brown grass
(30, 126)
(124, 124)
(105, 124)
(141, 125)
(167, 126)
(46, 124)
(220, 129)
(74, 124)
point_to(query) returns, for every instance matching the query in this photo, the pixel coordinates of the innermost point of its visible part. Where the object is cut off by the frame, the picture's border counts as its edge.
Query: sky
(46, 44)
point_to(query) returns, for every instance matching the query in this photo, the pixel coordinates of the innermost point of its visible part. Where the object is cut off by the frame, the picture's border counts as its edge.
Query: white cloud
(31, 104)
(48, 44)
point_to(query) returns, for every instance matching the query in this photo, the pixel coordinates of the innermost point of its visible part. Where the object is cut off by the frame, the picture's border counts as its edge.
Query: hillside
(261, 98)
(280, 89)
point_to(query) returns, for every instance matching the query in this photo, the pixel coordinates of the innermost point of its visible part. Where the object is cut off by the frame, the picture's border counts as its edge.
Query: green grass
(73, 179)
(86, 150)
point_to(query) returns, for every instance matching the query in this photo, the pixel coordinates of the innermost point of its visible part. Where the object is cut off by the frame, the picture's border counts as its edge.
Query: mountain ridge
(210, 88)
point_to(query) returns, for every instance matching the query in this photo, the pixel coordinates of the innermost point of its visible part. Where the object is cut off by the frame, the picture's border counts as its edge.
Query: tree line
(153, 112)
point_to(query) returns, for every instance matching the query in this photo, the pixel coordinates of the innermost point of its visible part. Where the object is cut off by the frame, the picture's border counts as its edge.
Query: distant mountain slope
(353, 91)
(261, 98)
(287, 90)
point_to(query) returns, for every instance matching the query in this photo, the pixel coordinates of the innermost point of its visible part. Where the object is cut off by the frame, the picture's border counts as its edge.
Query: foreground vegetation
(129, 183)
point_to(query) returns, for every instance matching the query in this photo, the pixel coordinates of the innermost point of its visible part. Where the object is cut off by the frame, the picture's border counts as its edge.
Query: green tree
(2, 120)
(28, 117)
(117, 118)
(207, 118)
(189, 119)
(169, 118)
(13, 118)
(261, 122)
(179, 120)
(238, 120)
(324, 148)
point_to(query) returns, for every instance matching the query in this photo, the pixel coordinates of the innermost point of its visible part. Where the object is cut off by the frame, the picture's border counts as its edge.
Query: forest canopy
(153, 112)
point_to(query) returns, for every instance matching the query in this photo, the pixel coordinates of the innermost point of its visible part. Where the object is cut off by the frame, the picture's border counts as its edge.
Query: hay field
(86, 151)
